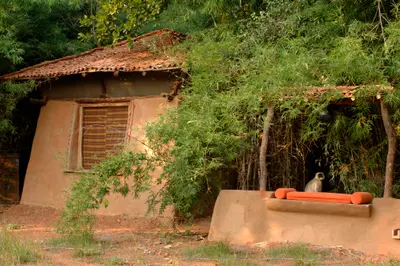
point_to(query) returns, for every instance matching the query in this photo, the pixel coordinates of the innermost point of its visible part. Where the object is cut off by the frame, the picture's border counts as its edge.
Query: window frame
(81, 106)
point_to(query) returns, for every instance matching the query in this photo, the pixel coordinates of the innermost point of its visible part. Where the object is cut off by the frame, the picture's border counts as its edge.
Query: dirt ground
(123, 240)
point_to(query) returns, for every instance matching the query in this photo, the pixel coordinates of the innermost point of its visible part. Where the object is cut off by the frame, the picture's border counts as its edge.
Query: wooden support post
(103, 89)
(391, 150)
(263, 148)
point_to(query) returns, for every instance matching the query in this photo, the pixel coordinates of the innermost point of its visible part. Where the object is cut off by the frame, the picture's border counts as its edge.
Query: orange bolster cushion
(361, 198)
(319, 196)
(280, 193)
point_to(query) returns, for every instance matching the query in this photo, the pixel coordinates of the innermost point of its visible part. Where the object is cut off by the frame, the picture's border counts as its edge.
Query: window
(103, 131)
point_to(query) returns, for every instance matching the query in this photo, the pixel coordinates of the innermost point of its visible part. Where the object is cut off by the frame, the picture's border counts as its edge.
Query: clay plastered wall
(145, 109)
(45, 178)
(241, 217)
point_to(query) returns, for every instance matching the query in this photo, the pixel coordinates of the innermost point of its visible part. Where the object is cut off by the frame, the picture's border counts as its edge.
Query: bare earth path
(122, 240)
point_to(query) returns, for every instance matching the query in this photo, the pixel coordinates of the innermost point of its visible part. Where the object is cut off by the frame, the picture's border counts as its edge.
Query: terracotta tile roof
(120, 57)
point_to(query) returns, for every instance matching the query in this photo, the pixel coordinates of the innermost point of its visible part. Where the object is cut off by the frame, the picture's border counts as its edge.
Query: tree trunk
(263, 148)
(391, 150)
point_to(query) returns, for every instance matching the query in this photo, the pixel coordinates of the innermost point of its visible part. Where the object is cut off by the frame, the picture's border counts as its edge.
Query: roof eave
(49, 77)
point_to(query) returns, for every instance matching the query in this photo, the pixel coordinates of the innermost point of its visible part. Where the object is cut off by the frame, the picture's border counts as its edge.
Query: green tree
(35, 31)
(32, 32)
(111, 21)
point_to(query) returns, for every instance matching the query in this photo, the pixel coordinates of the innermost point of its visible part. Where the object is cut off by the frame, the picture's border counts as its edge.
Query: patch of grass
(16, 252)
(14, 227)
(219, 252)
(300, 253)
(114, 261)
(166, 238)
(88, 252)
(72, 241)
(391, 262)
(83, 246)
(239, 263)
(188, 233)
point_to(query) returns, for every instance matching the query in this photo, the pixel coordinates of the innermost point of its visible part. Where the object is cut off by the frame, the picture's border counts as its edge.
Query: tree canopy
(32, 32)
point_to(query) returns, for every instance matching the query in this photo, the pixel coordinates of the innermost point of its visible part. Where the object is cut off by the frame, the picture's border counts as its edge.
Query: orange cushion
(361, 198)
(319, 196)
(280, 193)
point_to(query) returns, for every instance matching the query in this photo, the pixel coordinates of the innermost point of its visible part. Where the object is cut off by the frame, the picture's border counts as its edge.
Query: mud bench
(313, 207)
(289, 200)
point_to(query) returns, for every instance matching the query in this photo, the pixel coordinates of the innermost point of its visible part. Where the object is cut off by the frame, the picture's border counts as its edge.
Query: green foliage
(89, 192)
(84, 253)
(216, 251)
(111, 21)
(350, 63)
(16, 252)
(10, 94)
(301, 253)
(10, 47)
(219, 252)
(77, 219)
(179, 16)
(115, 261)
(14, 227)
(356, 146)
(34, 31)
(79, 241)
(31, 32)
(83, 245)
(392, 50)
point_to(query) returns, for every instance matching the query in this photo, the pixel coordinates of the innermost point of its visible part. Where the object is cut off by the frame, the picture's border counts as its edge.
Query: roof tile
(119, 57)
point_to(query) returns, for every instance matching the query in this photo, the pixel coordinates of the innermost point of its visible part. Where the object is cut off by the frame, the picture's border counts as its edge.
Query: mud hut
(91, 104)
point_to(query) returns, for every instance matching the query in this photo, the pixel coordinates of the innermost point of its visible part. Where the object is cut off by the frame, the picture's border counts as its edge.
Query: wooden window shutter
(103, 131)
(117, 123)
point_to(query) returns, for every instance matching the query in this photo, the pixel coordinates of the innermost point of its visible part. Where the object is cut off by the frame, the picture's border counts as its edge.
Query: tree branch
(380, 20)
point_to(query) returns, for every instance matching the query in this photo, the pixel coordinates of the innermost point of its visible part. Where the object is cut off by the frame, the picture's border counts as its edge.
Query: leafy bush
(88, 192)
(10, 94)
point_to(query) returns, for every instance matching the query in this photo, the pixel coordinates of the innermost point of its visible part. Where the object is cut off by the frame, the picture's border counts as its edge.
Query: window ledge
(83, 172)
(76, 171)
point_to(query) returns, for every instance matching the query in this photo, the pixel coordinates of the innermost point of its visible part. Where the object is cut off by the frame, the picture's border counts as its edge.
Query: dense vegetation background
(32, 32)
(243, 56)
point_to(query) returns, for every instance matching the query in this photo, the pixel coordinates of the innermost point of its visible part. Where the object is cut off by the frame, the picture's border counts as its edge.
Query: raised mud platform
(242, 217)
(310, 207)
